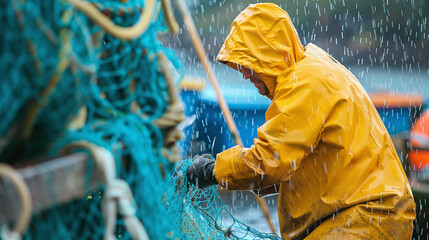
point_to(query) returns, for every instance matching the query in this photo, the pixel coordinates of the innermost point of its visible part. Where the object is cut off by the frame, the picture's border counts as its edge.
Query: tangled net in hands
(201, 213)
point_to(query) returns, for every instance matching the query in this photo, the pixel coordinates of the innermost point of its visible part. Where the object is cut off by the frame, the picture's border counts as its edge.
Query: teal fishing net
(64, 80)
(201, 213)
(55, 64)
(42, 85)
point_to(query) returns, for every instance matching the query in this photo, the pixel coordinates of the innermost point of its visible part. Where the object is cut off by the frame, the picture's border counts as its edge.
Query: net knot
(118, 198)
(120, 193)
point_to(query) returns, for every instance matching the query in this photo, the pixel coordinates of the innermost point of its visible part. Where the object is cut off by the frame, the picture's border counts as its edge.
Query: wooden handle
(196, 41)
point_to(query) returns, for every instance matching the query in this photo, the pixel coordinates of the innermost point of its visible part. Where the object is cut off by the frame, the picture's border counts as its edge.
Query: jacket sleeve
(298, 113)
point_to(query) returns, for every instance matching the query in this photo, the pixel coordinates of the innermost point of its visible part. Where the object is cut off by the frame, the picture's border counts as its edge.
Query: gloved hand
(201, 172)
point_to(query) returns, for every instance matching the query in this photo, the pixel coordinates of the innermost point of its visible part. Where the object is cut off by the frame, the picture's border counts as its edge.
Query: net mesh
(202, 214)
(58, 66)
(56, 62)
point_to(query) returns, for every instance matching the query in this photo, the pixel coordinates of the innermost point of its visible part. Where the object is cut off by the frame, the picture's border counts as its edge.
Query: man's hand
(201, 172)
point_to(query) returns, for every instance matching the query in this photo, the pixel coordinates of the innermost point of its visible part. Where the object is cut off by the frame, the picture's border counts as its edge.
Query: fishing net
(42, 85)
(58, 69)
(65, 80)
(201, 213)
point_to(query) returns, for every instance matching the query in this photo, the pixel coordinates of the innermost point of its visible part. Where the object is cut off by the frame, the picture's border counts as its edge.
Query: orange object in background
(395, 100)
(419, 138)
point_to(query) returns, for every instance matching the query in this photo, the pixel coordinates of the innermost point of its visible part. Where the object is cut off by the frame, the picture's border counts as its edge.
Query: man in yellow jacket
(323, 147)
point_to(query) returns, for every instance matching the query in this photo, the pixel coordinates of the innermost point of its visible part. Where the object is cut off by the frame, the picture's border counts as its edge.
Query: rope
(199, 48)
(175, 112)
(213, 234)
(40, 37)
(124, 33)
(118, 197)
(45, 94)
(168, 13)
(25, 203)
(173, 115)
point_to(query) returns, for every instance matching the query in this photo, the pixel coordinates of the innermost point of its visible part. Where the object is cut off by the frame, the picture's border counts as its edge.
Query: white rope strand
(117, 198)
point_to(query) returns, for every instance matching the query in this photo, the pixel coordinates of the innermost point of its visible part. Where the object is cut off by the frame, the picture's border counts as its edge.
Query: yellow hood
(263, 38)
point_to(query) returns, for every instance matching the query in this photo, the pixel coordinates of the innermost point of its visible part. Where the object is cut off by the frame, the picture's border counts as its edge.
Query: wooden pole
(199, 48)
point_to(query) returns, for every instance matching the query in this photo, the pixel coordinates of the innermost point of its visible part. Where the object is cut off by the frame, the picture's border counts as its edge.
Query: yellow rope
(213, 234)
(26, 207)
(169, 16)
(124, 33)
(45, 94)
(174, 114)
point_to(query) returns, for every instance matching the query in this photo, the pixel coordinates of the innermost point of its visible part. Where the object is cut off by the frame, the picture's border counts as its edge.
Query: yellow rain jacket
(323, 146)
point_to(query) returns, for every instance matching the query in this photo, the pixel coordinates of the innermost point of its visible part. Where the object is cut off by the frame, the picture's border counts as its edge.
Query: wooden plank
(51, 183)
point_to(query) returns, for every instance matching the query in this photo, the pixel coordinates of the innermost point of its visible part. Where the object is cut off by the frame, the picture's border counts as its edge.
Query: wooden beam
(51, 183)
